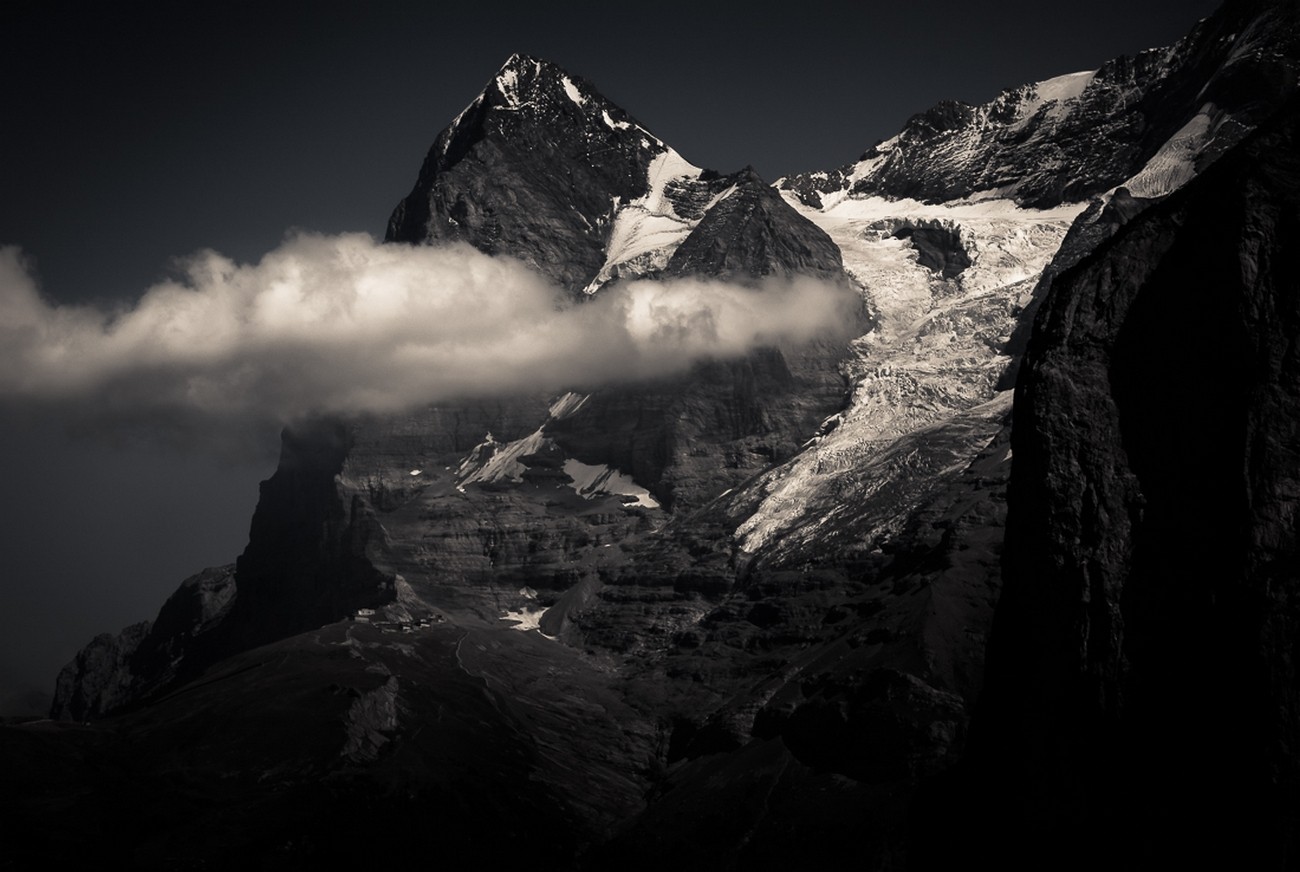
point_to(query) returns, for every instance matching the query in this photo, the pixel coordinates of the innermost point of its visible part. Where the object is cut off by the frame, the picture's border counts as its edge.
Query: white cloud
(346, 324)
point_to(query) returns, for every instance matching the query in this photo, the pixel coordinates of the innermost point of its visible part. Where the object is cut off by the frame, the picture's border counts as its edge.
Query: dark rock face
(816, 689)
(1063, 140)
(114, 672)
(1146, 644)
(335, 746)
(531, 171)
(690, 438)
(1099, 222)
(753, 233)
(305, 564)
(99, 679)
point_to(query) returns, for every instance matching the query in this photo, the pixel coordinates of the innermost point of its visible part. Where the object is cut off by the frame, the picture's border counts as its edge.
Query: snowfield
(937, 351)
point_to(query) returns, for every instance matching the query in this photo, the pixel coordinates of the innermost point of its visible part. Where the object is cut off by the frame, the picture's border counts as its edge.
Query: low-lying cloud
(346, 324)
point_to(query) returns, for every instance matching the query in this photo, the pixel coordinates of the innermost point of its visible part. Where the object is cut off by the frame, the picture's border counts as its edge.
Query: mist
(345, 324)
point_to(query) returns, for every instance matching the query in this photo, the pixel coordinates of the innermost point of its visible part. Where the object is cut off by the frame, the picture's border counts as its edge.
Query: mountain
(540, 166)
(739, 617)
(1063, 140)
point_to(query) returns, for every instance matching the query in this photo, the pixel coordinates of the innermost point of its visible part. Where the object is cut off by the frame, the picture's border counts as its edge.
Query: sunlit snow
(1174, 164)
(572, 90)
(591, 481)
(936, 351)
(503, 463)
(526, 618)
(567, 405)
(647, 230)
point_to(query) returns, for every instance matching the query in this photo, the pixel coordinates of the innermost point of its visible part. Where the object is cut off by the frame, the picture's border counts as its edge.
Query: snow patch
(508, 85)
(593, 481)
(1174, 164)
(647, 230)
(567, 405)
(526, 618)
(572, 90)
(611, 123)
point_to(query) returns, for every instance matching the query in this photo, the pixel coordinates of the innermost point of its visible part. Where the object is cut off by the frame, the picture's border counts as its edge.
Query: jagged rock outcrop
(113, 672)
(751, 233)
(1142, 700)
(99, 678)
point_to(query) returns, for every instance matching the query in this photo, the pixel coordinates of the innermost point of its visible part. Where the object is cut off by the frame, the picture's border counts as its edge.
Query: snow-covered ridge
(492, 462)
(1059, 95)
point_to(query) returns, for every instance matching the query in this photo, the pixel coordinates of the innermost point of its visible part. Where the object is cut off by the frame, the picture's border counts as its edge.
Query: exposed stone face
(754, 233)
(113, 672)
(692, 437)
(1146, 644)
(305, 564)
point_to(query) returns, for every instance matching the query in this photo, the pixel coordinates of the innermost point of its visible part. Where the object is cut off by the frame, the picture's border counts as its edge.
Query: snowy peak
(544, 90)
(542, 167)
(537, 166)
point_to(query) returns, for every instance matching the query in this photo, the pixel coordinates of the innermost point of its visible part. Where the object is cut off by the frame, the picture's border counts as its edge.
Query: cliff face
(1146, 643)
(305, 564)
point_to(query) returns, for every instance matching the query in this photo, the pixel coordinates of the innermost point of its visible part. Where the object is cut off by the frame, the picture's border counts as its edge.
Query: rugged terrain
(738, 618)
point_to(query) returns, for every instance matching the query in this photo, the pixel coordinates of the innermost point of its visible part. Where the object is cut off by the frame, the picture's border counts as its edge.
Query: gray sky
(137, 133)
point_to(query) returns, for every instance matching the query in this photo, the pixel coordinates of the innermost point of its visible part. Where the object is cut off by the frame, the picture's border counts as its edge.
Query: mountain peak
(535, 165)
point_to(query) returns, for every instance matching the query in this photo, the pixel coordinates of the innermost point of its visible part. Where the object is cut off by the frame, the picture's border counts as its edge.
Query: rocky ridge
(1061, 140)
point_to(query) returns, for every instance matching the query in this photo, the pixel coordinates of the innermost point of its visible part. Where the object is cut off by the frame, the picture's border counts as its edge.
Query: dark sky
(134, 133)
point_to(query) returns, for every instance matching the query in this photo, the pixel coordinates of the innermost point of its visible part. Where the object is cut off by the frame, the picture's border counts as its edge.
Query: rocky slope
(1063, 140)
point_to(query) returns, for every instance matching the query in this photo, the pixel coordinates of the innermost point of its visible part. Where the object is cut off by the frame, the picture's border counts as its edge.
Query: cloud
(346, 324)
